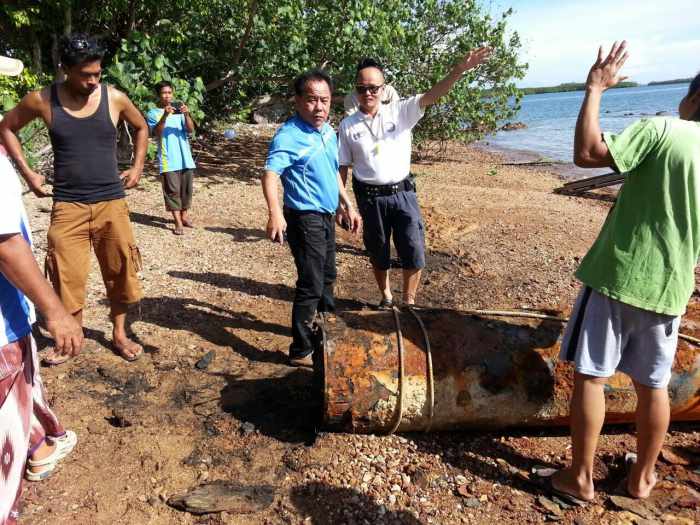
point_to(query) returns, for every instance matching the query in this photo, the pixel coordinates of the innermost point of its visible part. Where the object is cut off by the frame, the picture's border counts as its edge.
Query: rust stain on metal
(488, 372)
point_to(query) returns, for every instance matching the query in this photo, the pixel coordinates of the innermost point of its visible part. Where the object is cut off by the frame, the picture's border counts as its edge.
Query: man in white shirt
(376, 142)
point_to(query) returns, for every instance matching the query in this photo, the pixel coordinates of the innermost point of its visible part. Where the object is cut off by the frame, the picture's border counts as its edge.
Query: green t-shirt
(646, 252)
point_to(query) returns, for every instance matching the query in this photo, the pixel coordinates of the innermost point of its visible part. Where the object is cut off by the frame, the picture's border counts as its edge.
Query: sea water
(551, 117)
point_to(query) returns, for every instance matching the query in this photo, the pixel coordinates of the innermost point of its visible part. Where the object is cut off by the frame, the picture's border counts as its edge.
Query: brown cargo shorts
(104, 226)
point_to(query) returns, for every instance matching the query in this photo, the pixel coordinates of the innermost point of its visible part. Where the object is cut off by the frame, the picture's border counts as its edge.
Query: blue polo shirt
(306, 159)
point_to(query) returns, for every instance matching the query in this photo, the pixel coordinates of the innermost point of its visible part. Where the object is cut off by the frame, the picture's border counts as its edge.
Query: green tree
(223, 54)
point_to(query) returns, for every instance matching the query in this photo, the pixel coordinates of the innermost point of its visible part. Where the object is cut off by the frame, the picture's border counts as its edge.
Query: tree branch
(252, 8)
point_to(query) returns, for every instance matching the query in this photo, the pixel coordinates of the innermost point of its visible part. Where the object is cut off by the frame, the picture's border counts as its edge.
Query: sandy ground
(498, 237)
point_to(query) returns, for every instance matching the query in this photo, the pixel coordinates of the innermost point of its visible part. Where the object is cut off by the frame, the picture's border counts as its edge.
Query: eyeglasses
(368, 89)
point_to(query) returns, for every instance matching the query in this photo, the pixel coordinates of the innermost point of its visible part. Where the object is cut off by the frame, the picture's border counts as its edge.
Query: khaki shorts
(104, 226)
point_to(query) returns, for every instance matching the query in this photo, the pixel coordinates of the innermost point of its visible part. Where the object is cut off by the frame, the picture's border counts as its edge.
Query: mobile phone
(177, 106)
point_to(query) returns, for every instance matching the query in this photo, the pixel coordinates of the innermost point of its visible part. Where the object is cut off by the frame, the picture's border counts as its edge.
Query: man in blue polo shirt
(304, 155)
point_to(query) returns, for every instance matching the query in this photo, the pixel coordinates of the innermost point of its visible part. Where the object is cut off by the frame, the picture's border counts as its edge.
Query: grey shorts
(604, 335)
(397, 216)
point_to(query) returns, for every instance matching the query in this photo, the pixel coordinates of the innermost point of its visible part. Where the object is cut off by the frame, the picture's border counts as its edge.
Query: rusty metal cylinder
(480, 372)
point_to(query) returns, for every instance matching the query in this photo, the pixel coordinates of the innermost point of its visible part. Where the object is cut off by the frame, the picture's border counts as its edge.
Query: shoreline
(566, 171)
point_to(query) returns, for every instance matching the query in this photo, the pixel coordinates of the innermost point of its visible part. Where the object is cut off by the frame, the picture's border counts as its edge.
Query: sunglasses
(368, 89)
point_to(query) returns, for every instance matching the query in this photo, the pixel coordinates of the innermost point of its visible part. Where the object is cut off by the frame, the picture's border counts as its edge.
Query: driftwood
(224, 497)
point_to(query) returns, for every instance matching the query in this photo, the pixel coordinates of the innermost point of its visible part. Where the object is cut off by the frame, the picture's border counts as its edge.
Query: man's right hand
(66, 332)
(167, 111)
(605, 74)
(36, 184)
(276, 226)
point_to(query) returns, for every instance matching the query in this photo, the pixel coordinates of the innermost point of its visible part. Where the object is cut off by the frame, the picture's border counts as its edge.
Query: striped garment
(16, 311)
(26, 420)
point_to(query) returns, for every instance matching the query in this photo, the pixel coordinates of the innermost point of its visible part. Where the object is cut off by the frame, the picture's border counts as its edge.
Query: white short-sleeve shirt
(379, 148)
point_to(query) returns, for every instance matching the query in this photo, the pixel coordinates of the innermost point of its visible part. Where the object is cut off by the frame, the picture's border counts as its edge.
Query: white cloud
(560, 39)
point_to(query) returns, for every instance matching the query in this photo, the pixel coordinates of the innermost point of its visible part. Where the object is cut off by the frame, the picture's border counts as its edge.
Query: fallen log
(437, 369)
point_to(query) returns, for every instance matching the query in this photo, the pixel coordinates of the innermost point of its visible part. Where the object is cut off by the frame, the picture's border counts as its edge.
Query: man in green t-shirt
(638, 276)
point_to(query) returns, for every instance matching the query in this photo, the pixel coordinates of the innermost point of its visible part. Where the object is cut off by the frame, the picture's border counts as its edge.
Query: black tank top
(84, 154)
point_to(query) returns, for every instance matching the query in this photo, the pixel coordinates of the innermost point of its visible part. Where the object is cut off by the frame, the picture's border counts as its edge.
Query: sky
(561, 38)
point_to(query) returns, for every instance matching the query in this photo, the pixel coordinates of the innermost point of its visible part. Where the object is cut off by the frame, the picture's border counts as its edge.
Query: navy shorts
(396, 215)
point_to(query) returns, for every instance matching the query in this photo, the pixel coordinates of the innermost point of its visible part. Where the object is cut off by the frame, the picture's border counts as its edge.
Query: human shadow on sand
(239, 234)
(212, 323)
(280, 292)
(150, 220)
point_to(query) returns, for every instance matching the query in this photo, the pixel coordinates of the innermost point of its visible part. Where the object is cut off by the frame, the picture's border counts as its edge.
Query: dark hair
(692, 89)
(160, 85)
(312, 75)
(369, 62)
(694, 85)
(77, 48)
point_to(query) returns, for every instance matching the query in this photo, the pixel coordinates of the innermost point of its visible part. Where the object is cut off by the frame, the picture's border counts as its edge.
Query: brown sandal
(54, 359)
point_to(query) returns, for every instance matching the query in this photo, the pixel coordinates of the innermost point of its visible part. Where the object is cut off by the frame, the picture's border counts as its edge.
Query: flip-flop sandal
(544, 476)
(64, 445)
(54, 359)
(385, 304)
(120, 352)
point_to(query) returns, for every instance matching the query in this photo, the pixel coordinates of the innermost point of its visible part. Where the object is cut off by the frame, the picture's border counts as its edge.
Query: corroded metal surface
(488, 372)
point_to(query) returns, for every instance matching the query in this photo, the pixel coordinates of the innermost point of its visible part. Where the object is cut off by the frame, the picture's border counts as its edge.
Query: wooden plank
(591, 183)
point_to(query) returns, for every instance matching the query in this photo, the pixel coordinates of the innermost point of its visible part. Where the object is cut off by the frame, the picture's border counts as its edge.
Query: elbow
(586, 159)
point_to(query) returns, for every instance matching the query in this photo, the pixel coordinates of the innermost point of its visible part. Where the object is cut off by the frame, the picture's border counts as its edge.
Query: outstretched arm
(590, 150)
(472, 60)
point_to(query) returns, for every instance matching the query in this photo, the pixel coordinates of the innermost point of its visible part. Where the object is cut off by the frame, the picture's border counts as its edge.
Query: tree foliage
(222, 54)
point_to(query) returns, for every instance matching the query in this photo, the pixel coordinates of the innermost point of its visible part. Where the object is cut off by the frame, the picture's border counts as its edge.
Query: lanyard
(369, 128)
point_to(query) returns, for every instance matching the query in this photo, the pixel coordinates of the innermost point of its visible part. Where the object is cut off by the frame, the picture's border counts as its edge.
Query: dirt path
(498, 238)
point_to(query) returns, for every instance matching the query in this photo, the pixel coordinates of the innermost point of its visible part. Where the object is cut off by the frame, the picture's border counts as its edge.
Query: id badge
(376, 149)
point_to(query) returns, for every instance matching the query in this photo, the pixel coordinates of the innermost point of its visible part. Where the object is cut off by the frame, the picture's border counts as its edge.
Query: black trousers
(311, 237)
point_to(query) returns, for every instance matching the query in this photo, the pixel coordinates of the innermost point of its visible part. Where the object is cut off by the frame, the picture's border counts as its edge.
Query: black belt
(375, 190)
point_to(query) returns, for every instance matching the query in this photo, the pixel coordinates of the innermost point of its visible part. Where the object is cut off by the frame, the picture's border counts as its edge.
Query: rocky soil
(213, 403)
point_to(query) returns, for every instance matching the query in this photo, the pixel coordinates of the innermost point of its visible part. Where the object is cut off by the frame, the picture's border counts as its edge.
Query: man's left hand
(474, 58)
(355, 221)
(130, 178)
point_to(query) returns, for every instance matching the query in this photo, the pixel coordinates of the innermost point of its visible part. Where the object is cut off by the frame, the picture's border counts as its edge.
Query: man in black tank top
(89, 205)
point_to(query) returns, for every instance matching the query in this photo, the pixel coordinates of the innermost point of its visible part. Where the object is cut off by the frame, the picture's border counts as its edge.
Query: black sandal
(385, 304)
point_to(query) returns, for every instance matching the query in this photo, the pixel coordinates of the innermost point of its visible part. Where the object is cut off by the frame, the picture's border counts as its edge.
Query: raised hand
(605, 73)
(474, 58)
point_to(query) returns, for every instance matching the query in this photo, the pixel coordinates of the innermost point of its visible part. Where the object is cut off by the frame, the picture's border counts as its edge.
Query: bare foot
(187, 222)
(640, 485)
(127, 349)
(567, 482)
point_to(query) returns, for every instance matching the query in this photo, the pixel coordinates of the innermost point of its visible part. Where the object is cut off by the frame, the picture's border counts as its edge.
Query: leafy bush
(138, 66)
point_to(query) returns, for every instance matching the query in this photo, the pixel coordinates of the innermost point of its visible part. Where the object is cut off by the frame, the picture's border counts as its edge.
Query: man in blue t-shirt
(32, 440)
(304, 155)
(171, 123)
